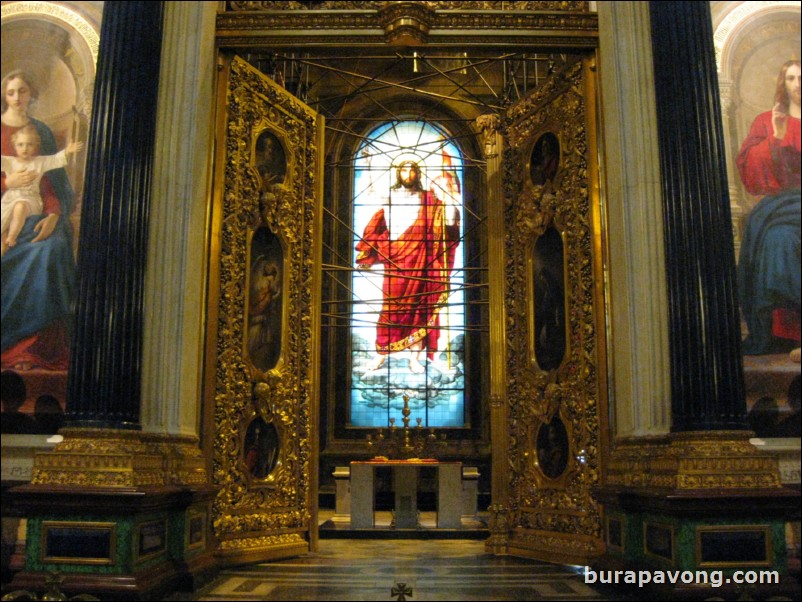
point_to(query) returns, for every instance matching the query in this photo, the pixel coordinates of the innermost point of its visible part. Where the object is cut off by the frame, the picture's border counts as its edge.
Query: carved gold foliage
(499, 526)
(117, 458)
(565, 23)
(562, 505)
(268, 541)
(184, 463)
(239, 525)
(109, 458)
(697, 460)
(560, 546)
(91, 477)
(488, 125)
(280, 396)
(434, 5)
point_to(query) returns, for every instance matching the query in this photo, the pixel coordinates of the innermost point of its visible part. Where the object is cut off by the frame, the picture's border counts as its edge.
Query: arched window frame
(342, 143)
(423, 365)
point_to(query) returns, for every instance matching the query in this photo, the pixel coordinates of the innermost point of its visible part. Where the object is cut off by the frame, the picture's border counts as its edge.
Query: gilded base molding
(255, 543)
(261, 549)
(499, 529)
(99, 458)
(184, 463)
(565, 548)
(120, 459)
(693, 461)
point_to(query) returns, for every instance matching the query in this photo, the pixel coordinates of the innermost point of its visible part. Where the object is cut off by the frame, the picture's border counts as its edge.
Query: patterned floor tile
(381, 569)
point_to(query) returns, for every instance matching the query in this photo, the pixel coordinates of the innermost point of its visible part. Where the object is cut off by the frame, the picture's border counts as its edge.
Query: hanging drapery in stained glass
(408, 300)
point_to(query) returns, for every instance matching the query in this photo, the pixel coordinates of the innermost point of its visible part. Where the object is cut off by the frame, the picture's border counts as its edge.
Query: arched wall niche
(753, 40)
(72, 31)
(55, 45)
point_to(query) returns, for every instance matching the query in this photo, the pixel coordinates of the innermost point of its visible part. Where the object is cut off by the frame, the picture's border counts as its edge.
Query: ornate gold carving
(433, 5)
(247, 508)
(268, 541)
(499, 523)
(562, 505)
(692, 461)
(406, 23)
(558, 547)
(271, 411)
(568, 24)
(238, 526)
(184, 463)
(117, 458)
(99, 458)
(488, 124)
(538, 478)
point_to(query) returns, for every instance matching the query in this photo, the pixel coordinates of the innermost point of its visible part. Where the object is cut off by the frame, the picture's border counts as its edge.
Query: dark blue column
(105, 365)
(707, 388)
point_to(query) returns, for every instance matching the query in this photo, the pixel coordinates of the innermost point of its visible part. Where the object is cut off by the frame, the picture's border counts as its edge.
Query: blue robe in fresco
(38, 279)
(769, 269)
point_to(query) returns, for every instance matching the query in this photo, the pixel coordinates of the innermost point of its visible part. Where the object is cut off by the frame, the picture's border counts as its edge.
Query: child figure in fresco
(19, 203)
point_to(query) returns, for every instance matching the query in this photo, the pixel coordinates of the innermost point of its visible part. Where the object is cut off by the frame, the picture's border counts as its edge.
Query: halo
(414, 157)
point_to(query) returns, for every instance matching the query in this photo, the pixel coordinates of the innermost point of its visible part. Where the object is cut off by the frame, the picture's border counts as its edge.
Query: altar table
(405, 477)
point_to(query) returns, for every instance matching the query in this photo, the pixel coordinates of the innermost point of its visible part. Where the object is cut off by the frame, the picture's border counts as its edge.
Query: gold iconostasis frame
(533, 512)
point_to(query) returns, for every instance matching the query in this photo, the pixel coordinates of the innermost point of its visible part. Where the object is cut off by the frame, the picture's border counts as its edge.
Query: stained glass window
(408, 318)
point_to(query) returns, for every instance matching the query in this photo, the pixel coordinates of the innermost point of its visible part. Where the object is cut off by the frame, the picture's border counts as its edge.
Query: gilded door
(263, 324)
(556, 373)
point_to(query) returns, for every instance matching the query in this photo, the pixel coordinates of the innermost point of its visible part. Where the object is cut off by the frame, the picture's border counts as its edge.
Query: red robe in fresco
(417, 266)
(769, 265)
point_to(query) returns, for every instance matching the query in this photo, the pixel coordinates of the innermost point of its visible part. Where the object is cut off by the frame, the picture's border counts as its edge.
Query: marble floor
(400, 569)
(389, 564)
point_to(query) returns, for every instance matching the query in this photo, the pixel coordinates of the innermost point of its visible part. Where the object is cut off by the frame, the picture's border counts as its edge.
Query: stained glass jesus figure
(414, 236)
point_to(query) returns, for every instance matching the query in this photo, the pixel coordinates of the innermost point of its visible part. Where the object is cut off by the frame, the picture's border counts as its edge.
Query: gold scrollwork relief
(269, 184)
(566, 24)
(114, 458)
(565, 397)
(499, 524)
(488, 125)
(539, 5)
(709, 460)
(236, 526)
(406, 23)
(101, 458)
(559, 546)
(262, 542)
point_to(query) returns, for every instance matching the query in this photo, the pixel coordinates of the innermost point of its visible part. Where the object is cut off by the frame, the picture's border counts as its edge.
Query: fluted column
(707, 388)
(639, 345)
(174, 274)
(499, 429)
(105, 366)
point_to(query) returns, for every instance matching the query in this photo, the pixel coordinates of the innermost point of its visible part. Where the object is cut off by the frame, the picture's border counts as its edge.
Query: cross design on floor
(401, 591)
